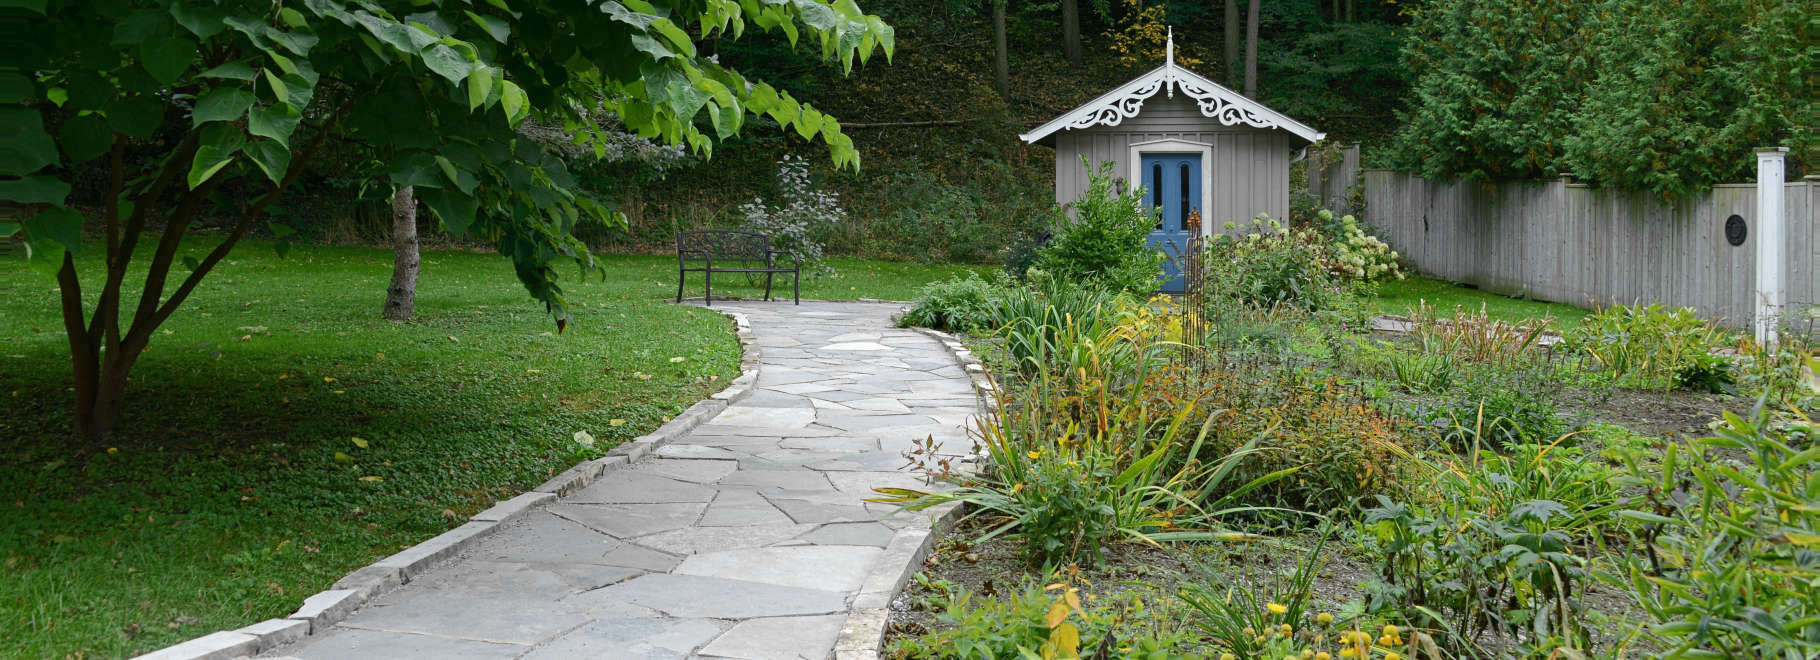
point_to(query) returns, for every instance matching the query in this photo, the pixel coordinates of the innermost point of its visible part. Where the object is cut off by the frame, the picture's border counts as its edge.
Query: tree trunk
(1251, 51)
(1232, 42)
(1071, 32)
(1001, 65)
(400, 296)
(1352, 11)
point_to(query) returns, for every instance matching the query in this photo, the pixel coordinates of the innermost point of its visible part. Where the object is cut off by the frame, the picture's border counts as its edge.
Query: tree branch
(253, 214)
(110, 218)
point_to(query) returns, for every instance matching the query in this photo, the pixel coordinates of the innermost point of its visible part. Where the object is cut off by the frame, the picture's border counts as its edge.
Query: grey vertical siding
(1250, 166)
(1574, 244)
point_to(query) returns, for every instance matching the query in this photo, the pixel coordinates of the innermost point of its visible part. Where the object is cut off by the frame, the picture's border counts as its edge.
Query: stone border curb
(862, 636)
(331, 606)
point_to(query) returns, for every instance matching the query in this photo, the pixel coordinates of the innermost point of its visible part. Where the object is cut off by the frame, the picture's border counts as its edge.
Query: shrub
(1782, 376)
(1644, 346)
(802, 218)
(1728, 568)
(956, 305)
(1491, 407)
(1494, 546)
(1357, 255)
(1273, 267)
(1106, 243)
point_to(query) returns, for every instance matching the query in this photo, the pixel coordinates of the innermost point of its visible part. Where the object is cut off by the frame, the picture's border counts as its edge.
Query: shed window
(1185, 187)
(1156, 191)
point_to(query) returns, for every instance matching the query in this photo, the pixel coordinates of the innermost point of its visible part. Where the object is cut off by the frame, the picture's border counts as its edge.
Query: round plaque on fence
(1735, 230)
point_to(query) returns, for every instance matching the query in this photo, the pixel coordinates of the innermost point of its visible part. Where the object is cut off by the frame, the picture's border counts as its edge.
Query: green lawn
(1398, 297)
(237, 485)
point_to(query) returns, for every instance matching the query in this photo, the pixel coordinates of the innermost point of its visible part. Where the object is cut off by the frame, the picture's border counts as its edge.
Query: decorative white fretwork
(1215, 101)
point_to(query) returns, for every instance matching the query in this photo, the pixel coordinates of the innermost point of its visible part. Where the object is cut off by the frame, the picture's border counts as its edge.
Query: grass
(1398, 297)
(278, 434)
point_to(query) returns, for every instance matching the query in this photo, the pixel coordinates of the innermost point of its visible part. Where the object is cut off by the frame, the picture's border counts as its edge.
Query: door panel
(1172, 184)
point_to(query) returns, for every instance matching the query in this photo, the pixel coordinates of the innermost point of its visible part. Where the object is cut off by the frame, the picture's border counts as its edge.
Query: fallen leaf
(372, 478)
(616, 422)
(678, 358)
(359, 442)
(328, 379)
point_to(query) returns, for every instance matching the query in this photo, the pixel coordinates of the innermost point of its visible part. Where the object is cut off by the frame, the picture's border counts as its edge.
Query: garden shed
(1193, 144)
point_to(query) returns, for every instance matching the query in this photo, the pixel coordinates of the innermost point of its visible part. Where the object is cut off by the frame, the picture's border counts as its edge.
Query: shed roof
(1216, 101)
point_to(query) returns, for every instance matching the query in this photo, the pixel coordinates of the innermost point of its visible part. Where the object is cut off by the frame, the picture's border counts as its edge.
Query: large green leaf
(455, 209)
(142, 26)
(166, 59)
(40, 189)
(276, 121)
(416, 168)
(480, 85)
(85, 137)
(218, 143)
(239, 70)
(271, 157)
(138, 116)
(88, 91)
(26, 147)
(448, 63)
(60, 224)
(15, 87)
(512, 99)
(200, 19)
(221, 104)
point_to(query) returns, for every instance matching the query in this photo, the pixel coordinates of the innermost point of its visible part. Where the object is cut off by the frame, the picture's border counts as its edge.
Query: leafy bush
(956, 305)
(1493, 546)
(1782, 376)
(1494, 407)
(802, 218)
(1644, 346)
(1106, 243)
(1728, 567)
(1272, 267)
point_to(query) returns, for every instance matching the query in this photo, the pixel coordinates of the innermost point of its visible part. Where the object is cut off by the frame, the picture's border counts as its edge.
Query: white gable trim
(1136, 157)
(1216, 101)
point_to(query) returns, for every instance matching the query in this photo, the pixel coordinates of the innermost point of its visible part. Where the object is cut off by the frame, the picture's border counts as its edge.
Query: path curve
(746, 538)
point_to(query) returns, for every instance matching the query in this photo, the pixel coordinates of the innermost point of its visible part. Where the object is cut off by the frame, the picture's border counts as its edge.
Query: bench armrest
(771, 258)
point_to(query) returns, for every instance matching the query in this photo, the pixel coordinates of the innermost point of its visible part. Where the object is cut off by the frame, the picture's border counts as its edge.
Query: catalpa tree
(172, 100)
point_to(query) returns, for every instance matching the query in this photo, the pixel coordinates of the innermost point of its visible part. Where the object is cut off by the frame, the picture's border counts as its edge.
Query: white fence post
(1770, 235)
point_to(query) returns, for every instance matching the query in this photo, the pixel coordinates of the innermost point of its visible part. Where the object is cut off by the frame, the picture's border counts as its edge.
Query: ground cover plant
(1489, 489)
(282, 434)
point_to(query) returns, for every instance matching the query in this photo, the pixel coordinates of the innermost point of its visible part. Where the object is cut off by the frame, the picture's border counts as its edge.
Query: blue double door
(1172, 186)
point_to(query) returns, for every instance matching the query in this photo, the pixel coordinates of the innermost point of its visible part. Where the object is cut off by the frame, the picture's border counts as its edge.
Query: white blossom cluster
(802, 216)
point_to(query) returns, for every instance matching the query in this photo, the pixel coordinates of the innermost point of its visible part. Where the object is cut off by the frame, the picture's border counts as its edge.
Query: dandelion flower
(1034, 454)
(1324, 618)
(1275, 608)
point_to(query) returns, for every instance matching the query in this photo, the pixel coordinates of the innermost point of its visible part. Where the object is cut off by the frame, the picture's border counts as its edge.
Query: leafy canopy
(241, 91)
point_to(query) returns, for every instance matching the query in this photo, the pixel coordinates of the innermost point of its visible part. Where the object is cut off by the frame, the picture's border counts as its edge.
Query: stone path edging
(328, 607)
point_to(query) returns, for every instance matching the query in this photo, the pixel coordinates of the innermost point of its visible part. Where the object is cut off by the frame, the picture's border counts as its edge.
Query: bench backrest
(722, 244)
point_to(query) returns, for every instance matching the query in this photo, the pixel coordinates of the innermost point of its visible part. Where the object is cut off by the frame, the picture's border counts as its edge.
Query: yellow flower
(1347, 652)
(1387, 640)
(1391, 630)
(1250, 632)
(1307, 654)
(113, 450)
(1392, 656)
(1016, 487)
(1285, 630)
(1228, 656)
(1034, 454)
(1322, 656)
(1324, 618)
(1275, 608)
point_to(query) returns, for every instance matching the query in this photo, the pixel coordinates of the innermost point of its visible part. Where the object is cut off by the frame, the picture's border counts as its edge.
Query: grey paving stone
(692, 596)
(342, 644)
(632, 639)
(804, 637)
(691, 469)
(804, 511)
(625, 521)
(637, 556)
(859, 533)
(543, 537)
(742, 508)
(708, 539)
(499, 579)
(827, 568)
(633, 487)
(830, 444)
(523, 621)
(792, 479)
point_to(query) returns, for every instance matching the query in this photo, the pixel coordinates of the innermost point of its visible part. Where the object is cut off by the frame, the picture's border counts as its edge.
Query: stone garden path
(747, 538)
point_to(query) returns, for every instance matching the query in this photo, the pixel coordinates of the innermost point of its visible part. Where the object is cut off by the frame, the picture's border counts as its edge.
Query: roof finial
(1169, 48)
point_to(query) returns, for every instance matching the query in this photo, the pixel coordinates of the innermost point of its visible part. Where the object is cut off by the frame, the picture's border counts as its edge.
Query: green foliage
(1105, 243)
(1729, 526)
(800, 220)
(1645, 346)
(1254, 622)
(1668, 98)
(1274, 266)
(955, 305)
(1783, 376)
(1684, 92)
(1495, 545)
(1024, 624)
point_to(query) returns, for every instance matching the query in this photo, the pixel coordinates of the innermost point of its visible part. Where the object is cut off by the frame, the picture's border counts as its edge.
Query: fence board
(1569, 243)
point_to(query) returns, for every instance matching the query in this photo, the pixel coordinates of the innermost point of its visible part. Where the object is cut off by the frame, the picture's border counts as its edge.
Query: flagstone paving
(748, 538)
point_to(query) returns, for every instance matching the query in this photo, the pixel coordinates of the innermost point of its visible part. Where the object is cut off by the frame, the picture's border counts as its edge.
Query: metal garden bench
(711, 251)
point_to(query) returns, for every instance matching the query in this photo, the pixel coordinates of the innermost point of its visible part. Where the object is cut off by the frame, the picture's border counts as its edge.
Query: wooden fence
(1564, 242)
